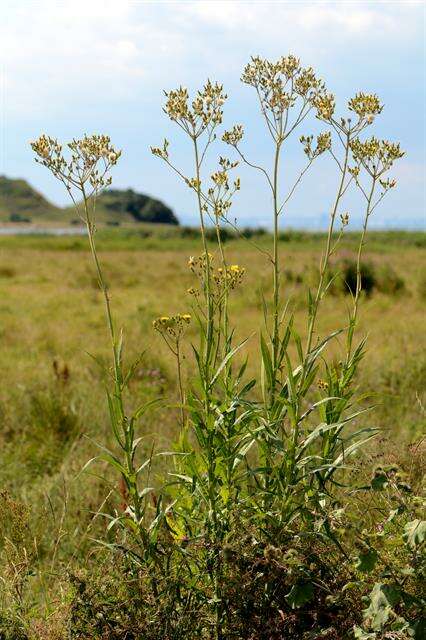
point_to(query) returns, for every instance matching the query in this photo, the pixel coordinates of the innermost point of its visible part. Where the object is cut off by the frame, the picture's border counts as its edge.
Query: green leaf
(266, 359)
(367, 561)
(379, 482)
(415, 533)
(300, 594)
(226, 360)
(360, 634)
(382, 598)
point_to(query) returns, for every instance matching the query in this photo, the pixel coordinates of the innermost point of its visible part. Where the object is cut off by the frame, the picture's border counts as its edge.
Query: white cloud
(380, 18)
(72, 64)
(57, 51)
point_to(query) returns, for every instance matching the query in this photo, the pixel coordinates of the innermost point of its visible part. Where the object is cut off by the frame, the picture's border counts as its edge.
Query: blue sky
(92, 66)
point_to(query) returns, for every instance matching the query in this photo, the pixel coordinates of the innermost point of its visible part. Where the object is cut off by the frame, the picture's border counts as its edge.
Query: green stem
(328, 251)
(181, 395)
(358, 289)
(276, 276)
(118, 377)
(209, 336)
(314, 312)
(225, 299)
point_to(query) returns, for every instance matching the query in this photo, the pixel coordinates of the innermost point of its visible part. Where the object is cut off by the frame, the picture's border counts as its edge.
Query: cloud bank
(76, 66)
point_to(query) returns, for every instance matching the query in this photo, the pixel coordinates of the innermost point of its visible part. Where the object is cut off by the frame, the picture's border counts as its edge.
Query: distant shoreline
(30, 230)
(53, 229)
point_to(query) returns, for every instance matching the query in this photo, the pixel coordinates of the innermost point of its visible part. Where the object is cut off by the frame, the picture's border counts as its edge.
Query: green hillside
(117, 205)
(20, 202)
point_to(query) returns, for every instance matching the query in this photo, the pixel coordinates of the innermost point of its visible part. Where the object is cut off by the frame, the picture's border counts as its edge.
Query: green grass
(51, 311)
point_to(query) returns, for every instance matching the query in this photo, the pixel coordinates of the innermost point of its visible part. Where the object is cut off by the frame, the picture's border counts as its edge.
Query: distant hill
(20, 202)
(115, 205)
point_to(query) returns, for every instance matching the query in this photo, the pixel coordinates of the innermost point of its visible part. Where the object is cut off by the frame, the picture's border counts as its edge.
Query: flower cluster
(198, 264)
(325, 105)
(376, 156)
(225, 278)
(366, 106)
(234, 135)
(91, 157)
(161, 152)
(205, 110)
(219, 196)
(49, 153)
(220, 178)
(173, 326)
(193, 183)
(323, 144)
(229, 277)
(344, 219)
(323, 385)
(279, 84)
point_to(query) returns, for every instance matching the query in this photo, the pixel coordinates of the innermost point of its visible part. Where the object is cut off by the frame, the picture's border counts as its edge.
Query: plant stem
(118, 376)
(276, 274)
(358, 289)
(328, 251)
(181, 394)
(209, 334)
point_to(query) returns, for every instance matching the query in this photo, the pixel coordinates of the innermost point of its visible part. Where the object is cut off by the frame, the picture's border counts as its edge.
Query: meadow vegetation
(254, 468)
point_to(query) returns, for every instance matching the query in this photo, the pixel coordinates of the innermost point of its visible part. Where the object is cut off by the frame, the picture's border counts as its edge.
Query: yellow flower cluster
(220, 178)
(49, 153)
(46, 146)
(230, 277)
(90, 149)
(91, 158)
(280, 83)
(344, 219)
(325, 105)
(220, 194)
(205, 110)
(234, 135)
(366, 106)
(161, 152)
(264, 73)
(376, 156)
(323, 144)
(193, 183)
(172, 325)
(323, 385)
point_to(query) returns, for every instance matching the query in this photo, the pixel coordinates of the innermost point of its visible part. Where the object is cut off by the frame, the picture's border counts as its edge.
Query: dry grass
(51, 310)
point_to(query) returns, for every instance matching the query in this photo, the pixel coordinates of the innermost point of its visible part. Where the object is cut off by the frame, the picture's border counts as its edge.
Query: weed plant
(243, 529)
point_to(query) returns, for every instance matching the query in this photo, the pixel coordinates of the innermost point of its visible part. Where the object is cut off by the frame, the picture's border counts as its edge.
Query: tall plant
(85, 172)
(260, 456)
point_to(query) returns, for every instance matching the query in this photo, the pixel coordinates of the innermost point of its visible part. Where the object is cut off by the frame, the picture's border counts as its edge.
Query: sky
(91, 66)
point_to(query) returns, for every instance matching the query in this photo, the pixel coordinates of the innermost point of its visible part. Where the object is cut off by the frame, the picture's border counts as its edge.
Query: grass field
(53, 337)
